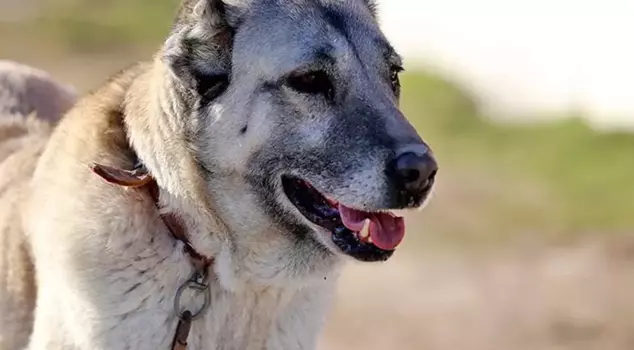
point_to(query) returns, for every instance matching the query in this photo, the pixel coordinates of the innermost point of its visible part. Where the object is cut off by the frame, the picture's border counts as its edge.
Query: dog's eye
(316, 82)
(394, 77)
(211, 86)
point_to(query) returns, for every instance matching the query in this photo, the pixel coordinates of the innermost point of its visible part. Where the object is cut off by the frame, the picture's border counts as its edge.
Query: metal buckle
(198, 283)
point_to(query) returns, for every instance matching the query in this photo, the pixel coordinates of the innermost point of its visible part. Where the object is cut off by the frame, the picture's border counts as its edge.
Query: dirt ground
(559, 298)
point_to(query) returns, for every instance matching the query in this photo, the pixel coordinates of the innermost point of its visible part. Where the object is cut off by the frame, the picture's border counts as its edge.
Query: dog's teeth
(365, 231)
(370, 239)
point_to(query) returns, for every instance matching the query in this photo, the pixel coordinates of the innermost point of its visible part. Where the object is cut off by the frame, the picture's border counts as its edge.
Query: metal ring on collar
(196, 286)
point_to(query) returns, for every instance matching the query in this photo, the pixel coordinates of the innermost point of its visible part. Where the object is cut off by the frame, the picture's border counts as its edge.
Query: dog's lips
(385, 230)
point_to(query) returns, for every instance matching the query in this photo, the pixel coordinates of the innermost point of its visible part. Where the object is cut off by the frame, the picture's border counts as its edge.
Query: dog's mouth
(363, 235)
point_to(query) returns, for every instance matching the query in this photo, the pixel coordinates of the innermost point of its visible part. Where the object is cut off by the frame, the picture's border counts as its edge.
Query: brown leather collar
(139, 177)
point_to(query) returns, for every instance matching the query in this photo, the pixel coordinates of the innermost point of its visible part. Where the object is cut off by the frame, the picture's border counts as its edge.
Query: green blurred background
(515, 204)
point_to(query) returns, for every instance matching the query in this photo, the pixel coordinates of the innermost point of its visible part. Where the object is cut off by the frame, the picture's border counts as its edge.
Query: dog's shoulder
(66, 196)
(93, 130)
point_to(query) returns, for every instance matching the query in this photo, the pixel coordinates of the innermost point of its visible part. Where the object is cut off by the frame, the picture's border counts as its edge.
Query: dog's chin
(364, 236)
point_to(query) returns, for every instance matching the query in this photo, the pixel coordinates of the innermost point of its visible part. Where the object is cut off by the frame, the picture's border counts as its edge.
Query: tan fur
(17, 284)
(23, 90)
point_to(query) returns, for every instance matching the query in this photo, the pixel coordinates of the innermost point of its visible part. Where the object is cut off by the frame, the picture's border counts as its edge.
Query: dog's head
(292, 108)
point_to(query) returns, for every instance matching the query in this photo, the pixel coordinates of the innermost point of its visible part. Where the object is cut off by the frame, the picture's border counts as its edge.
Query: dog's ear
(199, 47)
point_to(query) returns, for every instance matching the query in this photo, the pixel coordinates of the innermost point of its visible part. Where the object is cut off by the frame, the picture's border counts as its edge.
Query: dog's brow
(389, 53)
(319, 58)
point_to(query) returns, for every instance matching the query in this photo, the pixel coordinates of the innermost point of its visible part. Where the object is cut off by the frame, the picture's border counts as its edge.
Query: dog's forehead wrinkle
(343, 24)
(281, 53)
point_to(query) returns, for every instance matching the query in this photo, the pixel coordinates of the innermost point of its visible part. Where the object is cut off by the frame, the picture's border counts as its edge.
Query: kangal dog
(206, 199)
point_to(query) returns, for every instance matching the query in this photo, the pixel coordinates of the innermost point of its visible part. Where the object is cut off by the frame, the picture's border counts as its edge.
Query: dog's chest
(263, 320)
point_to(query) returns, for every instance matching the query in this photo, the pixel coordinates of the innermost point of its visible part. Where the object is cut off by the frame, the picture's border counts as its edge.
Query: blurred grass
(589, 173)
(93, 25)
(88, 26)
(585, 175)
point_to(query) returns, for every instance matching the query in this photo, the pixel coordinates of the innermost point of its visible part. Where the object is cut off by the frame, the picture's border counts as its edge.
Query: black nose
(415, 171)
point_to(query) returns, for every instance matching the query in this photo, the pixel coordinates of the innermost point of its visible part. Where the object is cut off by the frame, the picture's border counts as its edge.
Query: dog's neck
(151, 127)
(269, 301)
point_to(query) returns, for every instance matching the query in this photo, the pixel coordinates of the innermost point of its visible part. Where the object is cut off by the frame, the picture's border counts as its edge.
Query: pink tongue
(387, 231)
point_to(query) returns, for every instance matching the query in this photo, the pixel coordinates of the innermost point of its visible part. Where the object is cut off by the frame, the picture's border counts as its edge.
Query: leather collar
(139, 177)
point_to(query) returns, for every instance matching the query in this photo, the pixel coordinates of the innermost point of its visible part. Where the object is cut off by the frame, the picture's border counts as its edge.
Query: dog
(208, 198)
